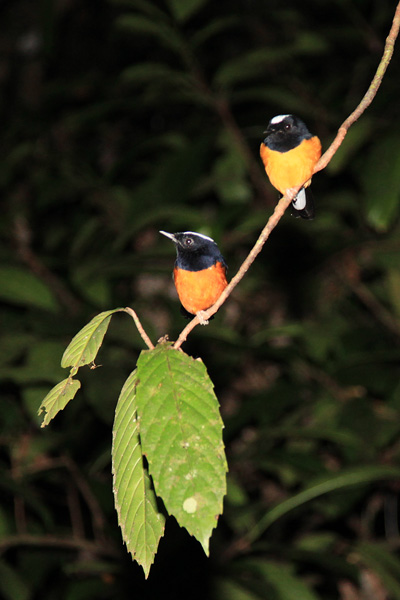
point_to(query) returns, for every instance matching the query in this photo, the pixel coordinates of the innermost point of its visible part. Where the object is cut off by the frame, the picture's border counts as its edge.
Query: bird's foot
(201, 317)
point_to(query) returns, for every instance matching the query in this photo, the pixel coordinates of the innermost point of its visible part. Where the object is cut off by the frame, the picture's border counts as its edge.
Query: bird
(199, 272)
(289, 153)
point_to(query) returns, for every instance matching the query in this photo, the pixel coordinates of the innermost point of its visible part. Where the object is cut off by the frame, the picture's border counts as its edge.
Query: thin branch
(96, 513)
(378, 310)
(52, 541)
(271, 224)
(322, 163)
(22, 239)
(140, 327)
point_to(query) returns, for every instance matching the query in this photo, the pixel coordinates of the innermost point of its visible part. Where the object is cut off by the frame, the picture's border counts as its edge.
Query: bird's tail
(303, 204)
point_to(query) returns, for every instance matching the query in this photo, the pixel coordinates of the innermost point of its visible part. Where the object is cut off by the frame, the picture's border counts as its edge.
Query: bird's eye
(189, 241)
(287, 126)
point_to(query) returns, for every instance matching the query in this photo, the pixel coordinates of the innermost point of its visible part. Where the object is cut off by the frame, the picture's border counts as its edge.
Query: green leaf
(213, 28)
(182, 11)
(21, 287)
(246, 66)
(393, 287)
(384, 563)
(337, 481)
(11, 583)
(355, 138)
(181, 436)
(160, 74)
(146, 7)
(58, 398)
(141, 523)
(381, 182)
(280, 578)
(230, 173)
(86, 343)
(164, 34)
(227, 589)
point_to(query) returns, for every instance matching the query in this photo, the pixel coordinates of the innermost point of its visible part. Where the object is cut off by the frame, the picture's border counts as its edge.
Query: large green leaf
(21, 287)
(58, 398)
(141, 523)
(357, 476)
(86, 343)
(181, 436)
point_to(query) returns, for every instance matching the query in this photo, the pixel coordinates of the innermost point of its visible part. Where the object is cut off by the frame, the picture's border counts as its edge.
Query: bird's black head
(285, 132)
(195, 251)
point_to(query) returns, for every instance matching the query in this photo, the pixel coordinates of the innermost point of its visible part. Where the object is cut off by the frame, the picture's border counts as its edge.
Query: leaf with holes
(58, 398)
(85, 345)
(181, 436)
(141, 523)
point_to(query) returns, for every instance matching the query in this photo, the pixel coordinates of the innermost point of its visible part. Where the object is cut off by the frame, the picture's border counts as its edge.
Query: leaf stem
(140, 327)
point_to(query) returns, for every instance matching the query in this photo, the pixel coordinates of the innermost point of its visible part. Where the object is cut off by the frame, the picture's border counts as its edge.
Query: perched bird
(289, 153)
(199, 271)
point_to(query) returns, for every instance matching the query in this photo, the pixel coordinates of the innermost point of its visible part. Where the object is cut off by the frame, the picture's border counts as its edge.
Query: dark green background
(123, 118)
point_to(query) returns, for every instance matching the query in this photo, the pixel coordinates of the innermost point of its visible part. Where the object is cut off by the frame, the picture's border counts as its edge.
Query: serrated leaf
(21, 287)
(141, 523)
(86, 343)
(58, 398)
(181, 436)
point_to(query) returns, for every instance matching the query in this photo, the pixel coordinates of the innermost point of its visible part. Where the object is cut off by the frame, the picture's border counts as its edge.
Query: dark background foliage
(120, 118)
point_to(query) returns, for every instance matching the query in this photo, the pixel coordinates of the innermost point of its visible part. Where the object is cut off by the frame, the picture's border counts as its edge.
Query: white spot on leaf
(190, 505)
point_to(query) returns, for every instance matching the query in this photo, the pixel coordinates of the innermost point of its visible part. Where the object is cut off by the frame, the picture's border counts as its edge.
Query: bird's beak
(170, 236)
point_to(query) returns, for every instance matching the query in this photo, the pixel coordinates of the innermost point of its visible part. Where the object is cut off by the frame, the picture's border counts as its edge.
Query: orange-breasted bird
(199, 271)
(289, 153)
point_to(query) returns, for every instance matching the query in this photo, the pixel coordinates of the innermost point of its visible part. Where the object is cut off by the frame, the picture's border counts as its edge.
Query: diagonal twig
(322, 163)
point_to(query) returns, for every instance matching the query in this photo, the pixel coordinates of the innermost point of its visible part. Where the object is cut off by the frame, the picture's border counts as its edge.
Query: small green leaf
(181, 436)
(58, 398)
(141, 523)
(21, 287)
(86, 343)
(163, 33)
(182, 11)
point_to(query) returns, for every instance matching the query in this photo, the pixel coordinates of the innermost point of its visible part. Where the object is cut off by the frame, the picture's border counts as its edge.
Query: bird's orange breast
(294, 167)
(198, 290)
